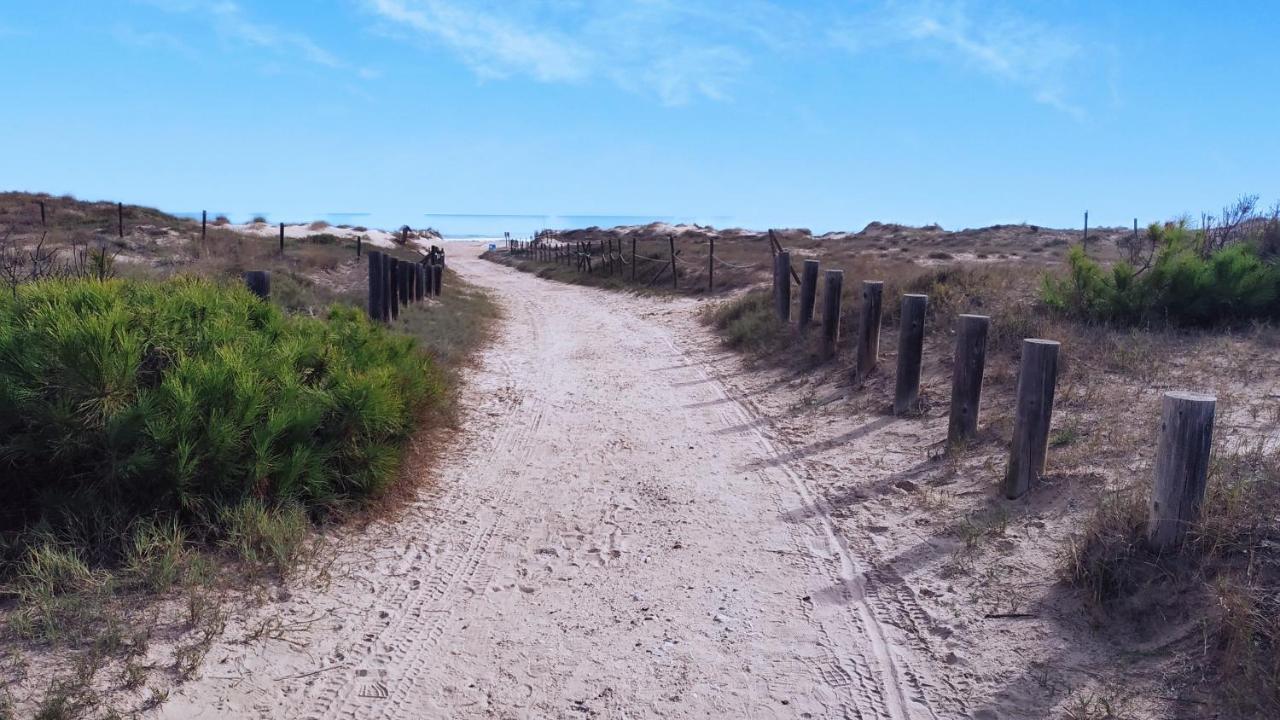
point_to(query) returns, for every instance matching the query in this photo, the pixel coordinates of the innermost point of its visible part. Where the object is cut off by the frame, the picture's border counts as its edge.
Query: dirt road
(613, 535)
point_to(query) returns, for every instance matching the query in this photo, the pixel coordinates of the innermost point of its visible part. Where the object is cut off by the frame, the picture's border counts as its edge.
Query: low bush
(123, 400)
(750, 323)
(1181, 284)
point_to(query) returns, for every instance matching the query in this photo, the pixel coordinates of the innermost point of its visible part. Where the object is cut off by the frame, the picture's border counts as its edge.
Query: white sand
(373, 236)
(612, 535)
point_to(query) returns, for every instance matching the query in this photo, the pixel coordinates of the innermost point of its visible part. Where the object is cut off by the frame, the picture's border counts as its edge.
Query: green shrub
(750, 323)
(1181, 285)
(126, 399)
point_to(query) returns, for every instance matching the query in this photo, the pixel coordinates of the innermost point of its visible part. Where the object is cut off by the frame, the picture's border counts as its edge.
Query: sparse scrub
(750, 323)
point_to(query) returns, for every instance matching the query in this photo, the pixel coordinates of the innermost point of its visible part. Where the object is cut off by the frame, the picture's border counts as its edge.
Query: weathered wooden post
(428, 280)
(358, 237)
(671, 239)
(1037, 381)
(120, 218)
(831, 291)
(259, 283)
(437, 276)
(393, 289)
(404, 235)
(868, 355)
(375, 285)
(204, 224)
(906, 391)
(966, 376)
(386, 288)
(633, 258)
(808, 293)
(422, 282)
(711, 264)
(281, 239)
(1182, 465)
(406, 282)
(42, 219)
(782, 285)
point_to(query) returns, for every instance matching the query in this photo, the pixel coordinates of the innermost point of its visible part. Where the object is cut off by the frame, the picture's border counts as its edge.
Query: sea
(462, 226)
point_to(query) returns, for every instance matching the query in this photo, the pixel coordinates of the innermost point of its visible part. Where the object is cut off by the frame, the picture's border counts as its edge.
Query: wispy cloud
(230, 22)
(668, 49)
(998, 42)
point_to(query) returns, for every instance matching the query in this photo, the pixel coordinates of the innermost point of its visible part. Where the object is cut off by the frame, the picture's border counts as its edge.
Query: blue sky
(759, 113)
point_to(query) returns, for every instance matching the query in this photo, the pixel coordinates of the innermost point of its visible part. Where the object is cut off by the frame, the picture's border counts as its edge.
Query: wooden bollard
(1182, 465)
(204, 224)
(358, 246)
(808, 292)
(393, 289)
(386, 287)
(831, 291)
(1037, 380)
(966, 376)
(428, 278)
(671, 239)
(375, 285)
(120, 218)
(782, 286)
(282, 239)
(906, 390)
(259, 283)
(406, 282)
(437, 277)
(868, 355)
(42, 218)
(422, 281)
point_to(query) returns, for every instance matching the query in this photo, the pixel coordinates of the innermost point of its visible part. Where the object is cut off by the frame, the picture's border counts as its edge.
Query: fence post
(358, 246)
(966, 377)
(869, 330)
(808, 293)
(782, 285)
(259, 283)
(437, 276)
(375, 285)
(204, 223)
(281, 239)
(393, 287)
(120, 218)
(671, 239)
(406, 282)
(633, 258)
(831, 291)
(1182, 465)
(44, 224)
(906, 391)
(1037, 380)
(386, 288)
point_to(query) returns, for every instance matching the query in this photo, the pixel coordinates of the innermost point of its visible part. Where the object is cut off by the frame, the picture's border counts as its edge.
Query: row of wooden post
(395, 283)
(1186, 425)
(583, 255)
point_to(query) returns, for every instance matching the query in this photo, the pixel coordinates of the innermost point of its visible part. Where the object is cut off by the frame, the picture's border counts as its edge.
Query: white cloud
(651, 46)
(231, 22)
(1035, 56)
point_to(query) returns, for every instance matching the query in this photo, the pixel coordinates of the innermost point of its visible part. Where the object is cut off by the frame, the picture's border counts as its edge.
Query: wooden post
(375, 285)
(1182, 465)
(358, 243)
(966, 376)
(281, 239)
(42, 220)
(259, 283)
(633, 258)
(394, 290)
(831, 291)
(906, 391)
(437, 275)
(782, 285)
(1037, 380)
(711, 264)
(1086, 230)
(868, 330)
(120, 218)
(671, 240)
(404, 235)
(406, 282)
(386, 287)
(808, 293)
(204, 224)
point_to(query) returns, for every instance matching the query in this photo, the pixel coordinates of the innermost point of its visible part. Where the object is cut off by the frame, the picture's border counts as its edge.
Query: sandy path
(614, 536)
